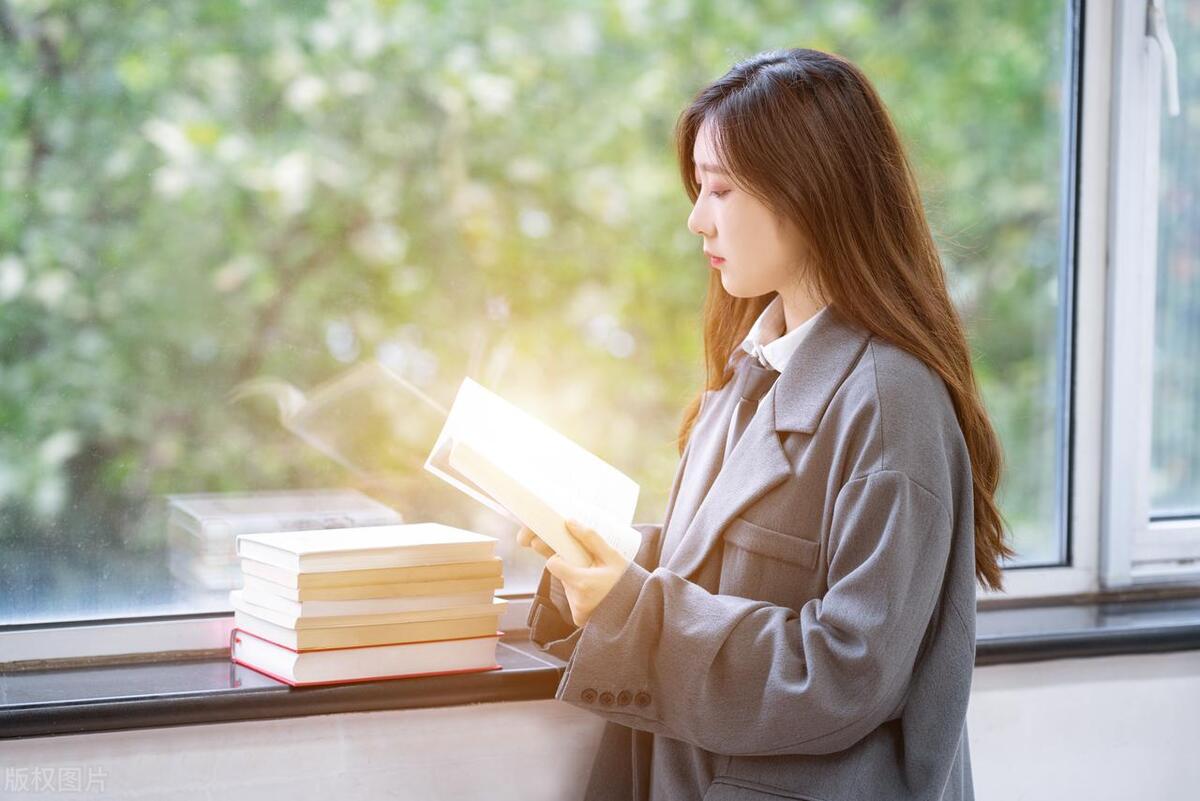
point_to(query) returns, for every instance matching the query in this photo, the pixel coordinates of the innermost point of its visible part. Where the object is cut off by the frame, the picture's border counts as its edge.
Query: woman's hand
(585, 587)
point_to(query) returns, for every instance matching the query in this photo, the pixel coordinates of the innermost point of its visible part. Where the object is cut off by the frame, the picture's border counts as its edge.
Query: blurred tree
(193, 194)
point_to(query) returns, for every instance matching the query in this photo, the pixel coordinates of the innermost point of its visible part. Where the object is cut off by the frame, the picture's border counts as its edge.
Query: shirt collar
(764, 341)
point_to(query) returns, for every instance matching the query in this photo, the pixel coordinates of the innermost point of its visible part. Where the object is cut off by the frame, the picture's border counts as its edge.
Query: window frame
(1139, 549)
(1081, 323)
(1105, 544)
(114, 638)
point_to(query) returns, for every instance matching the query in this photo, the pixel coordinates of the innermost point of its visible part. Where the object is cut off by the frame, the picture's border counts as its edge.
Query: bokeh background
(198, 194)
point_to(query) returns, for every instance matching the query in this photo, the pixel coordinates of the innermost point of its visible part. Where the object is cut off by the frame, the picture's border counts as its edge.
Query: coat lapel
(758, 462)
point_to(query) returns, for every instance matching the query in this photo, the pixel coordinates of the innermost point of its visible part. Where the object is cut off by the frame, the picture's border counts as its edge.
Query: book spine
(349, 647)
(292, 683)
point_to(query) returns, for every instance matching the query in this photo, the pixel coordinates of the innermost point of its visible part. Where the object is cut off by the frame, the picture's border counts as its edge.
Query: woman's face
(761, 252)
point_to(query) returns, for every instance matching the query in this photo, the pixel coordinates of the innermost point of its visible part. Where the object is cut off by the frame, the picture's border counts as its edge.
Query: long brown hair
(807, 133)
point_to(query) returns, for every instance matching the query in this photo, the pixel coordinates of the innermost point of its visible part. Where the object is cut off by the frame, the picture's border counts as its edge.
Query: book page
(543, 508)
(548, 464)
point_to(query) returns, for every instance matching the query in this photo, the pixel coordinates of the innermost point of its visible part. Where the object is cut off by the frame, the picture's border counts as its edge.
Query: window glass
(211, 208)
(1175, 448)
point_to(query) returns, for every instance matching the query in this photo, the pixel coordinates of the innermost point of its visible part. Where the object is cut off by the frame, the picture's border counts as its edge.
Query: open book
(525, 470)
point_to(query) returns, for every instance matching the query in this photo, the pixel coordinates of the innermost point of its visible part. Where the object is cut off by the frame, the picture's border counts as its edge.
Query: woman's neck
(798, 307)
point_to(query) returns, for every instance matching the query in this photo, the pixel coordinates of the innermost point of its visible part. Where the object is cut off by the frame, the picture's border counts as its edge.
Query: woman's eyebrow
(713, 168)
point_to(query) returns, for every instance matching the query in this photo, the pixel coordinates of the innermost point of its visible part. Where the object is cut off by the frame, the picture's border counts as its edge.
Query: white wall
(1103, 729)
(1096, 729)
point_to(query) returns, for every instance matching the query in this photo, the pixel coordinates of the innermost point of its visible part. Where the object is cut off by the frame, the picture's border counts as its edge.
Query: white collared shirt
(765, 341)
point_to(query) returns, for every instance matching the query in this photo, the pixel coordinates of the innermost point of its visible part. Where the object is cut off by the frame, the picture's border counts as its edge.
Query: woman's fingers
(528, 539)
(525, 536)
(541, 547)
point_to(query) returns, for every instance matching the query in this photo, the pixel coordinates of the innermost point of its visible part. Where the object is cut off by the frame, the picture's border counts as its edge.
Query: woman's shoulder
(899, 410)
(905, 384)
(890, 379)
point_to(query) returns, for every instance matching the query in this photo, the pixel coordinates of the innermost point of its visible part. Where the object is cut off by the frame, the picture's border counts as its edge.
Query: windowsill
(1075, 628)
(214, 690)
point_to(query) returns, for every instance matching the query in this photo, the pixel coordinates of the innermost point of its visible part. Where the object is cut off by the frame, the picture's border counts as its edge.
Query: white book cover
(364, 663)
(366, 547)
(362, 606)
(523, 469)
(407, 589)
(492, 606)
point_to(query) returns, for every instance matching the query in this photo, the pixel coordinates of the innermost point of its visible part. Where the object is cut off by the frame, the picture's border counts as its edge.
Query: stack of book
(366, 603)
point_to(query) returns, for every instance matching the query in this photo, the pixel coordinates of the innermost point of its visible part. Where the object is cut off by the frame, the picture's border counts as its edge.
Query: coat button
(606, 698)
(642, 699)
(624, 697)
(588, 695)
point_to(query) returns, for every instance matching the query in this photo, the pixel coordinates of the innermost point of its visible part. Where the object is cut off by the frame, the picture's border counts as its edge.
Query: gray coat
(813, 634)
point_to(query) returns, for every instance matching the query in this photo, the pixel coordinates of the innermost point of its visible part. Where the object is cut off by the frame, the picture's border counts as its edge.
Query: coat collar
(816, 369)
(758, 462)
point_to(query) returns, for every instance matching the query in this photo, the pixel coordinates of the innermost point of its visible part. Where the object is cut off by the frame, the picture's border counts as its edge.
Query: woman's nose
(697, 223)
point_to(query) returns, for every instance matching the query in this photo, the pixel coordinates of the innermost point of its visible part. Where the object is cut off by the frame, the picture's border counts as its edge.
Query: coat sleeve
(550, 625)
(744, 677)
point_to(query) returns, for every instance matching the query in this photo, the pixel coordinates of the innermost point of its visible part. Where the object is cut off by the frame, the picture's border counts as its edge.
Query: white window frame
(1083, 361)
(1138, 550)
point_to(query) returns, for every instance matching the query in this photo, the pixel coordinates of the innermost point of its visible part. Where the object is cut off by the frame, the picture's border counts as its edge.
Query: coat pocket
(775, 544)
(768, 565)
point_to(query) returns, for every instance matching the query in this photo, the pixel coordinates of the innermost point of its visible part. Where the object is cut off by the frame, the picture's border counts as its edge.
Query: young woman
(802, 624)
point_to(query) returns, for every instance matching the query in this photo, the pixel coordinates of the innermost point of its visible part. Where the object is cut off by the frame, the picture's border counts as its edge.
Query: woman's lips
(715, 261)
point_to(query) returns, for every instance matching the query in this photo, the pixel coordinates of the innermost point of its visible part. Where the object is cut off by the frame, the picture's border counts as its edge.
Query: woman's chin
(732, 286)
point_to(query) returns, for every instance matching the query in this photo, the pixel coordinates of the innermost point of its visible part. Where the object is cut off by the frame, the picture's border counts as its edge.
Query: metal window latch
(1156, 29)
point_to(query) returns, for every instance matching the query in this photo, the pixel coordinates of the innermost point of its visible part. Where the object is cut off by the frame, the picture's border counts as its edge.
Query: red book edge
(291, 683)
(355, 681)
(235, 629)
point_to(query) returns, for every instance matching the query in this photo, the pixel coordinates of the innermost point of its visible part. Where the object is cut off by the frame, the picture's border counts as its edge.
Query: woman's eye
(719, 194)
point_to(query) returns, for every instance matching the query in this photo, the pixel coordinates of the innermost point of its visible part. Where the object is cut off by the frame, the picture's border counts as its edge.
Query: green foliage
(193, 194)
